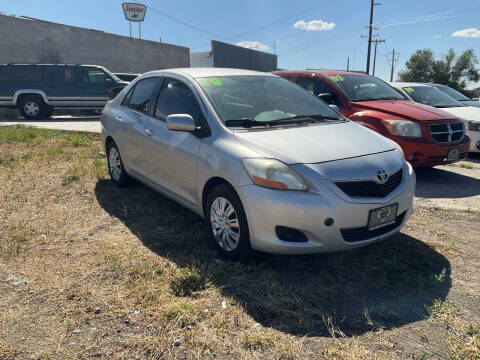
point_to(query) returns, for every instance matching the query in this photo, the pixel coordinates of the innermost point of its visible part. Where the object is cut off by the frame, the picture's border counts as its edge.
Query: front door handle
(148, 132)
(118, 118)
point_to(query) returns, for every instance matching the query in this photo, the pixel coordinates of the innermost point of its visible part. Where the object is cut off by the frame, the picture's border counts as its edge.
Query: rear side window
(19, 73)
(139, 97)
(93, 76)
(64, 74)
(176, 98)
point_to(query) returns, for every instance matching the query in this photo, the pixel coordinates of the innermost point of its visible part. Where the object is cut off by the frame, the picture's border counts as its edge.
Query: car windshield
(457, 95)
(429, 95)
(261, 100)
(365, 88)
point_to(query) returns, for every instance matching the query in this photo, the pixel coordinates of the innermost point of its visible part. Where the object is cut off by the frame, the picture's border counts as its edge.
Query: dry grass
(134, 272)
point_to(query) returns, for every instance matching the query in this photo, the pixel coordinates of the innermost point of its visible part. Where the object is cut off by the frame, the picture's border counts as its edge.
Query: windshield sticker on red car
(211, 81)
(408, 89)
(336, 78)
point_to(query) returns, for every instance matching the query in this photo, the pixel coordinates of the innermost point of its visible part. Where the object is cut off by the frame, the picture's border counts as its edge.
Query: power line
(190, 25)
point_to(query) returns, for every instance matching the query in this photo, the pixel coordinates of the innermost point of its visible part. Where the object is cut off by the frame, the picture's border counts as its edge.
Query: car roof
(208, 71)
(323, 72)
(399, 84)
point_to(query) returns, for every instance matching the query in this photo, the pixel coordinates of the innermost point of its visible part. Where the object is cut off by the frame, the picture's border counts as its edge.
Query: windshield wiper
(298, 119)
(379, 98)
(317, 117)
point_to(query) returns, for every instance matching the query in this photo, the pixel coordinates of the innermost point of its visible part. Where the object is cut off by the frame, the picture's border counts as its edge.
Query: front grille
(369, 188)
(362, 233)
(447, 133)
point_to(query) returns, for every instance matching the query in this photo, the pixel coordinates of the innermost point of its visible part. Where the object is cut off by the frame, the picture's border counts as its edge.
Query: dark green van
(37, 89)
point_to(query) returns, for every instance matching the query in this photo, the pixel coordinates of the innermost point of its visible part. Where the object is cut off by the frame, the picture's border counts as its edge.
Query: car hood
(404, 109)
(465, 112)
(315, 143)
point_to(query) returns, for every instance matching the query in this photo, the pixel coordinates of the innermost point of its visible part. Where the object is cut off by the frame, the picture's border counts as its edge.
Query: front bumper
(307, 212)
(424, 152)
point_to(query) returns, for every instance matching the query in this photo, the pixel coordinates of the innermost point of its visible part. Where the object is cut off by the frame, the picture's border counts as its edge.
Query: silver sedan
(268, 165)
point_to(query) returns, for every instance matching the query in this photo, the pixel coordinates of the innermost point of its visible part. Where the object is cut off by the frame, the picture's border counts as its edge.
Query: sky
(306, 33)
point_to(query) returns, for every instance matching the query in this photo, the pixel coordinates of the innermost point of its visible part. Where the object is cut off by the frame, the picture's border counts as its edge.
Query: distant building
(28, 40)
(227, 55)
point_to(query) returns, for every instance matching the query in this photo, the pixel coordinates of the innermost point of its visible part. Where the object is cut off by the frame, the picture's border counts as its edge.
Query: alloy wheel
(114, 163)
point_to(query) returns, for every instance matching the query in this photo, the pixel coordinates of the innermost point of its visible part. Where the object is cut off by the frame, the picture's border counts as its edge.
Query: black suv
(37, 89)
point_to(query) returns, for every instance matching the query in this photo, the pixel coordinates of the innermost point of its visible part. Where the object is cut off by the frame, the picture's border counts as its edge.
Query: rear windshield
(431, 96)
(20, 73)
(365, 88)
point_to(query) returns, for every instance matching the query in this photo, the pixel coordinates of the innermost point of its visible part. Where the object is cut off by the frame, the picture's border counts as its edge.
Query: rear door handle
(148, 132)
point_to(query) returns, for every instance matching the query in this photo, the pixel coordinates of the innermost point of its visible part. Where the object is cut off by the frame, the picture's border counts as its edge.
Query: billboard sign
(134, 11)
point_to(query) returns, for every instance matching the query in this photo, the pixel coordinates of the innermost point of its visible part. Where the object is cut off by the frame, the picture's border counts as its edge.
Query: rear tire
(227, 223)
(115, 166)
(32, 107)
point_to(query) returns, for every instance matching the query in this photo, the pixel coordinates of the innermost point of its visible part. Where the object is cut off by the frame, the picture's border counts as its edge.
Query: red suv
(428, 136)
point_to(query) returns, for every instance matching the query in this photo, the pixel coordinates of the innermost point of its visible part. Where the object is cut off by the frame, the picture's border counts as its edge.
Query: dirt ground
(90, 271)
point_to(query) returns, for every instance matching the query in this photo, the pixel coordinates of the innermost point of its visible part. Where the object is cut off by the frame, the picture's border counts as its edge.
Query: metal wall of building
(227, 55)
(37, 41)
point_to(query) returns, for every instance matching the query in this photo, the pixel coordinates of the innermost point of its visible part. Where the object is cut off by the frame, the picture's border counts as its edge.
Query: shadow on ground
(441, 183)
(380, 286)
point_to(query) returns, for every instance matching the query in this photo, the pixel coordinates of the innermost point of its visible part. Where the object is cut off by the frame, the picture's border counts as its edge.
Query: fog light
(329, 222)
(286, 233)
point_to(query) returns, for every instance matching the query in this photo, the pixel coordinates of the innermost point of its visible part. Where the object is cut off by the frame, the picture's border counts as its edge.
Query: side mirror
(180, 122)
(108, 80)
(112, 93)
(329, 98)
(334, 107)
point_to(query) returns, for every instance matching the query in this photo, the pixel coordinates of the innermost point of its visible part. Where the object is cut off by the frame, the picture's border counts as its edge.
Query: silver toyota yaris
(268, 165)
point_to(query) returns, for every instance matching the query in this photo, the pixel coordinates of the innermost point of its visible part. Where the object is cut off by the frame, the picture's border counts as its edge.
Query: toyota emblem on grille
(382, 176)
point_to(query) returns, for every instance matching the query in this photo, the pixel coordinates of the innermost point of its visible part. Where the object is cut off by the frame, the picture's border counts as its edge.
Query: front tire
(32, 107)
(227, 223)
(115, 166)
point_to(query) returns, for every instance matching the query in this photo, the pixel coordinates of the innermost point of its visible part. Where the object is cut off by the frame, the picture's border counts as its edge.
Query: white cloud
(467, 33)
(438, 36)
(255, 45)
(314, 25)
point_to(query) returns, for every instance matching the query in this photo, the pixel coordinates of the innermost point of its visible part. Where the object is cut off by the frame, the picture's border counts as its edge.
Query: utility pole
(370, 28)
(394, 59)
(376, 41)
(348, 63)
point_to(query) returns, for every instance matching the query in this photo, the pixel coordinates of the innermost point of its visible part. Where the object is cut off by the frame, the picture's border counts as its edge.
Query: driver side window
(318, 88)
(176, 98)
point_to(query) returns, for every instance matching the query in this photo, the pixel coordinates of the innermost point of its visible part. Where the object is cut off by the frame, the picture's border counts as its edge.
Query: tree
(450, 70)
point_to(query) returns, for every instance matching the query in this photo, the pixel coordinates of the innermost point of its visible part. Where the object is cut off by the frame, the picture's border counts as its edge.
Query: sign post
(136, 13)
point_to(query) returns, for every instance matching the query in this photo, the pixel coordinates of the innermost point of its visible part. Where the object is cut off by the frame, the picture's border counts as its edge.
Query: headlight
(403, 128)
(273, 174)
(474, 125)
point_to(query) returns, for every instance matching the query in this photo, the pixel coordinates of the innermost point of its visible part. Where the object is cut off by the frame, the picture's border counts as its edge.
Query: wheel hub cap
(225, 225)
(31, 108)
